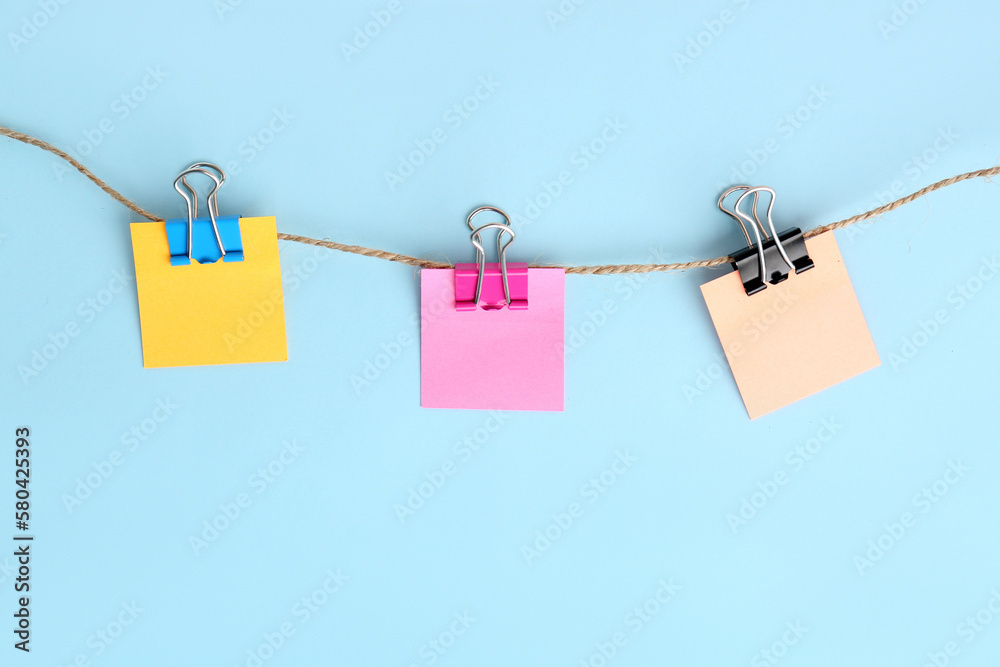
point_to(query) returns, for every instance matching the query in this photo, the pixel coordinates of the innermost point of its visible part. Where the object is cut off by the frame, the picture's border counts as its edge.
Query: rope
(601, 269)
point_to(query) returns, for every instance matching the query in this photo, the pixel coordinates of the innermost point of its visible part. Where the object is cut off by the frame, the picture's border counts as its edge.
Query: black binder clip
(769, 260)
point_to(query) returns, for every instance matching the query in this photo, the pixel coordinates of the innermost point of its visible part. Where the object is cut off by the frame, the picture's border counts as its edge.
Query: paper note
(795, 338)
(221, 313)
(492, 359)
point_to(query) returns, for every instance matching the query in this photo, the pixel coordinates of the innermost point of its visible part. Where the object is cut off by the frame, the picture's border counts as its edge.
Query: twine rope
(600, 269)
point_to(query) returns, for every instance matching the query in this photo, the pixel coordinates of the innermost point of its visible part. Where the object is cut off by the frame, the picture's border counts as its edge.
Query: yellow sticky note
(201, 314)
(795, 338)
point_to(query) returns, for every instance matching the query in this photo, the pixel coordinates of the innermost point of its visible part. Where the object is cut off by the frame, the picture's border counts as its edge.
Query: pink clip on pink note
(477, 307)
(492, 296)
(491, 286)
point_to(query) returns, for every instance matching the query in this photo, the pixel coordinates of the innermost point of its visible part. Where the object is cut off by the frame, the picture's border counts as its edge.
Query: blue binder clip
(203, 239)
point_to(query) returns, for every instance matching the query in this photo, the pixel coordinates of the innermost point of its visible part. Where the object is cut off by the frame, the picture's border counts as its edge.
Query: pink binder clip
(496, 285)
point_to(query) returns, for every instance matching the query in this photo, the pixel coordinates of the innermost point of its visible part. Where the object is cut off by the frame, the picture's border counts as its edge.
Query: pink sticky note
(492, 359)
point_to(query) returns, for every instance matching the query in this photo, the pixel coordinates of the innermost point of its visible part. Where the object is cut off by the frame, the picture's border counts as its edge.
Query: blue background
(898, 108)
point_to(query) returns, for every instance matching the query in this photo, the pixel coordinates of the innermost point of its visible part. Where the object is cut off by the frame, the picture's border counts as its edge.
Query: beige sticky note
(795, 338)
(221, 313)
